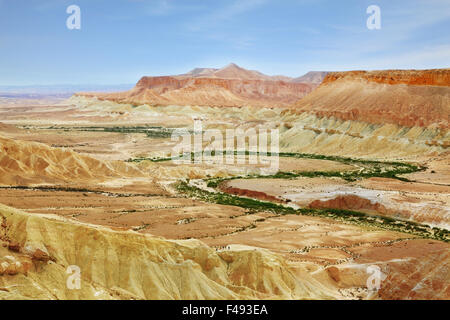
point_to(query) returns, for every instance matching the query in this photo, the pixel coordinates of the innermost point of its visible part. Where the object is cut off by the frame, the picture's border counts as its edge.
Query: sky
(122, 40)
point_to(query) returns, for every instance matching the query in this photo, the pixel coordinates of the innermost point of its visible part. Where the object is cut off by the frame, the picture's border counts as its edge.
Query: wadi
(360, 190)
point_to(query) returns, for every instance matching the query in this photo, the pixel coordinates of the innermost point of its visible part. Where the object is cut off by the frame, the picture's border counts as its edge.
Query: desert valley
(363, 180)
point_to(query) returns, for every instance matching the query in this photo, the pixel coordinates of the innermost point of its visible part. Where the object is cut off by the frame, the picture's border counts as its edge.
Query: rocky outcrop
(348, 202)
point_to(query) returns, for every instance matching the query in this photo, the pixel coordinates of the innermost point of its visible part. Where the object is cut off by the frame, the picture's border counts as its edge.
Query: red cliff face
(402, 97)
(210, 92)
(231, 86)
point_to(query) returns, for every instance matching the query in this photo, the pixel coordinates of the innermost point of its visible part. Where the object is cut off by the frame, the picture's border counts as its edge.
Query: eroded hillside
(408, 98)
(37, 251)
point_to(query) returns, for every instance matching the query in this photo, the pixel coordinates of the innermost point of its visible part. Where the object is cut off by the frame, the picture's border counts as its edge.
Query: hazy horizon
(7, 88)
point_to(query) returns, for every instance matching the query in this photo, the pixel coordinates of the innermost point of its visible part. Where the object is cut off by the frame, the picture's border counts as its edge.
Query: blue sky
(122, 40)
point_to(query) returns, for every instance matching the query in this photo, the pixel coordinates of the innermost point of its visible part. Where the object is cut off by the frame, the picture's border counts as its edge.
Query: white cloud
(431, 57)
(166, 7)
(228, 12)
(401, 42)
(428, 57)
(160, 7)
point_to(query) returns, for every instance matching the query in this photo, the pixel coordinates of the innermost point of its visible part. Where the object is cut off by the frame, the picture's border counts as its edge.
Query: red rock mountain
(231, 86)
(233, 71)
(315, 77)
(403, 97)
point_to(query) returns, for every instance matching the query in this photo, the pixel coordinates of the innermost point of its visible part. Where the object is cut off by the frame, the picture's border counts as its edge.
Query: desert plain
(363, 181)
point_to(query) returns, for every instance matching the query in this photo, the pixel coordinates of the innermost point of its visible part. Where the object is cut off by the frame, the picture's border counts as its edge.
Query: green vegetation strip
(150, 131)
(83, 190)
(353, 217)
(368, 168)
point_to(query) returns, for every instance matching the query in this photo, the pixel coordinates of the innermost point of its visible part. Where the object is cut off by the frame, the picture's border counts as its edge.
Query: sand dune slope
(24, 162)
(36, 252)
